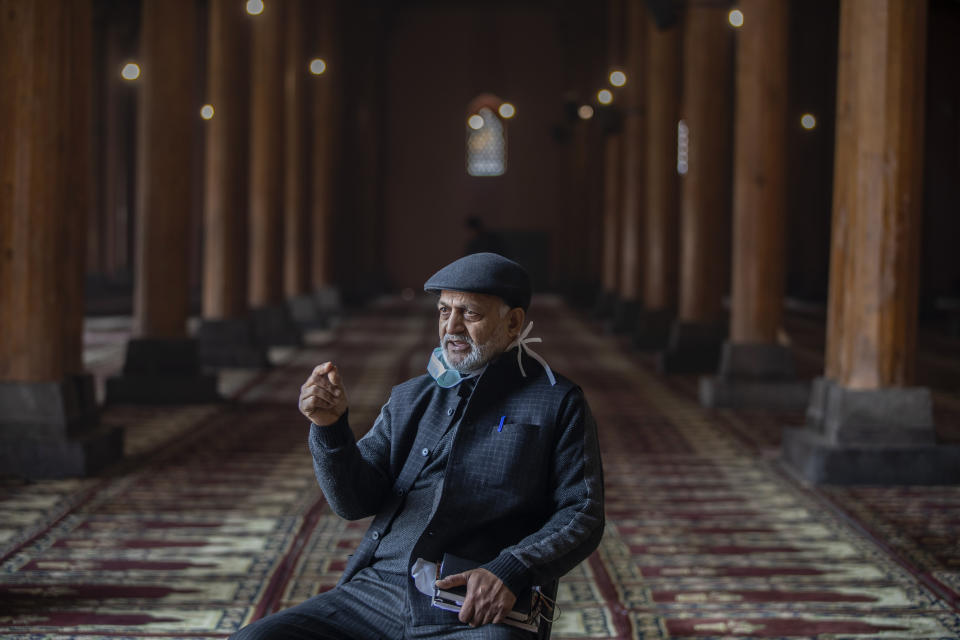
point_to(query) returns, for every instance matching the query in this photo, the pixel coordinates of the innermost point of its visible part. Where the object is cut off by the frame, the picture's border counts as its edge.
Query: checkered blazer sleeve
(354, 476)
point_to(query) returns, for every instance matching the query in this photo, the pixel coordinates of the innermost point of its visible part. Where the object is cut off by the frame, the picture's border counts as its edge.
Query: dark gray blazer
(526, 500)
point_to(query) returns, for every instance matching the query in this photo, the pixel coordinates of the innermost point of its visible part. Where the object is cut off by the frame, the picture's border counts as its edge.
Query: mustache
(448, 337)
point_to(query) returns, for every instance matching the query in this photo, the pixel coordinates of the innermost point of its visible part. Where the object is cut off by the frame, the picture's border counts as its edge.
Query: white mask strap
(521, 342)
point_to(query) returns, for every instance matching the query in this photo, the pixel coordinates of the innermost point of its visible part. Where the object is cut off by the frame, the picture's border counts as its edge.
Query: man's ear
(515, 318)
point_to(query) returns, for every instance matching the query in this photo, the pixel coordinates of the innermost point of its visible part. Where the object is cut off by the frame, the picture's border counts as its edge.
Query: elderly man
(491, 457)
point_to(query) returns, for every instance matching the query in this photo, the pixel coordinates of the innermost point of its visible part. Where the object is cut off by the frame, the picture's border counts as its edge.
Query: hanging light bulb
(130, 71)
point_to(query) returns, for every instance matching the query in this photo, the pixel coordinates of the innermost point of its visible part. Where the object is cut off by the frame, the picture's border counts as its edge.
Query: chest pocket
(511, 456)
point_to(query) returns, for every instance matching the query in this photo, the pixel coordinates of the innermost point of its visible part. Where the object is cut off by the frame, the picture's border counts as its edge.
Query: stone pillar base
(652, 329)
(755, 376)
(605, 304)
(230, 343)
(717, 392)
(692, 348)
(579, 295)
(162, 371)
(274, 326)
(869, 436)
(328, 301)
(624, 316)
(52, 430)
(887, 416)
(818, 461)
(305, 311)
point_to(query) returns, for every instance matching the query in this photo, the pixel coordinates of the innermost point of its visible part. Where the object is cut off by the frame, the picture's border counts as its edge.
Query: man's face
(475, 327)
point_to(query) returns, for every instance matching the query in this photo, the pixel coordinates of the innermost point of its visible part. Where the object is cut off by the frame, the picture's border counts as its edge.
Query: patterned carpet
(214, 519)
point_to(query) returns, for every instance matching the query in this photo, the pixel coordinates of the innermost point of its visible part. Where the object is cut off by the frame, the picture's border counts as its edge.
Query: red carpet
(215, 518)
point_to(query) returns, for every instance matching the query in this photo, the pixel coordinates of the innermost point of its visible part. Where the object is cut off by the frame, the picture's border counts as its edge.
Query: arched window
(486, 138)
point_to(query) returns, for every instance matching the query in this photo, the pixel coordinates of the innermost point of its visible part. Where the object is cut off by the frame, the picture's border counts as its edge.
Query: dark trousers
(372, 606)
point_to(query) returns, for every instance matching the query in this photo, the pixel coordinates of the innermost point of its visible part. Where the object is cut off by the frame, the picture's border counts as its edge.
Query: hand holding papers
(458, 590)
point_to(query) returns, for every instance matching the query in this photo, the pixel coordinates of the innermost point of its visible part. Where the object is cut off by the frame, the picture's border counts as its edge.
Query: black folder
(526, 611)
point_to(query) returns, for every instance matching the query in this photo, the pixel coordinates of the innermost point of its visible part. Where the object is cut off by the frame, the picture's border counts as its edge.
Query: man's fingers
(455, 580)
(466, 611)
(321, 371)
(325, 394)
(334, 376)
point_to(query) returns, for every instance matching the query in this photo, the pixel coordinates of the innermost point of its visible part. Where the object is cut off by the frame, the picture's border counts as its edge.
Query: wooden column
(296, 238)
(612, 167)
(883, 190)
(272, 321)
(324, 159)
(46, 403)
(754, 369)
(266, 159)
(225, 175)
(36, 205)
(634, 134)
(760, 165)
(166, 111)
(705, 190)
(662, 215)
(844, 163)
(867, 425)
(612, 173)
(227, 335)
(162, 363)
(324, 141)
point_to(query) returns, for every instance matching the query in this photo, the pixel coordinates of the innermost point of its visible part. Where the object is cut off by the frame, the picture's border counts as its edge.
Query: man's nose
(455, 323)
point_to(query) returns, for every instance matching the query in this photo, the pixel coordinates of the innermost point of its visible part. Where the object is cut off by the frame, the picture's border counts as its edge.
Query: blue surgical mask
(438, 369)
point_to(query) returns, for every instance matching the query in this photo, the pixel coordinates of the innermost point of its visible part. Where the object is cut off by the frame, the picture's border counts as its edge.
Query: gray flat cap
(484, 273)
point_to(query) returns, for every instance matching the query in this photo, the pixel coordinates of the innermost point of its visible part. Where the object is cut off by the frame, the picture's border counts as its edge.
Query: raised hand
(323, 399)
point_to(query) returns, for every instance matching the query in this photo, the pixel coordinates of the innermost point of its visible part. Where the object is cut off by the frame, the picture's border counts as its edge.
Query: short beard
(479, 355)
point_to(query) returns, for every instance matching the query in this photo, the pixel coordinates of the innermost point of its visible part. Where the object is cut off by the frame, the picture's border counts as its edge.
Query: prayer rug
(214, 518)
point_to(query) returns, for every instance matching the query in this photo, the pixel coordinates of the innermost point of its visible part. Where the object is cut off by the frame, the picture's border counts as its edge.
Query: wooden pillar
(662, 215)
(47, 409)
(297, 140)
(324, 159)
(760, 163)
(226, 335)
(225, 172)
(705, 190)
(879, 335)
(296, 240)
(266, 159)
(612, 168)
(871, 426)
(612, 172)
(633, 177)
(272, 320)
(754, 369)
(162, 363)
(166, 111)
(844, 163)
(323, 143)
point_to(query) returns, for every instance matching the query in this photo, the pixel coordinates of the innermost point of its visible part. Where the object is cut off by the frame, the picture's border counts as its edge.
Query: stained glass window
(486, 144)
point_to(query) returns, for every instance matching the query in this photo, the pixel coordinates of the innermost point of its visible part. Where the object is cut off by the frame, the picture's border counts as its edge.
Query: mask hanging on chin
(445, 376)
